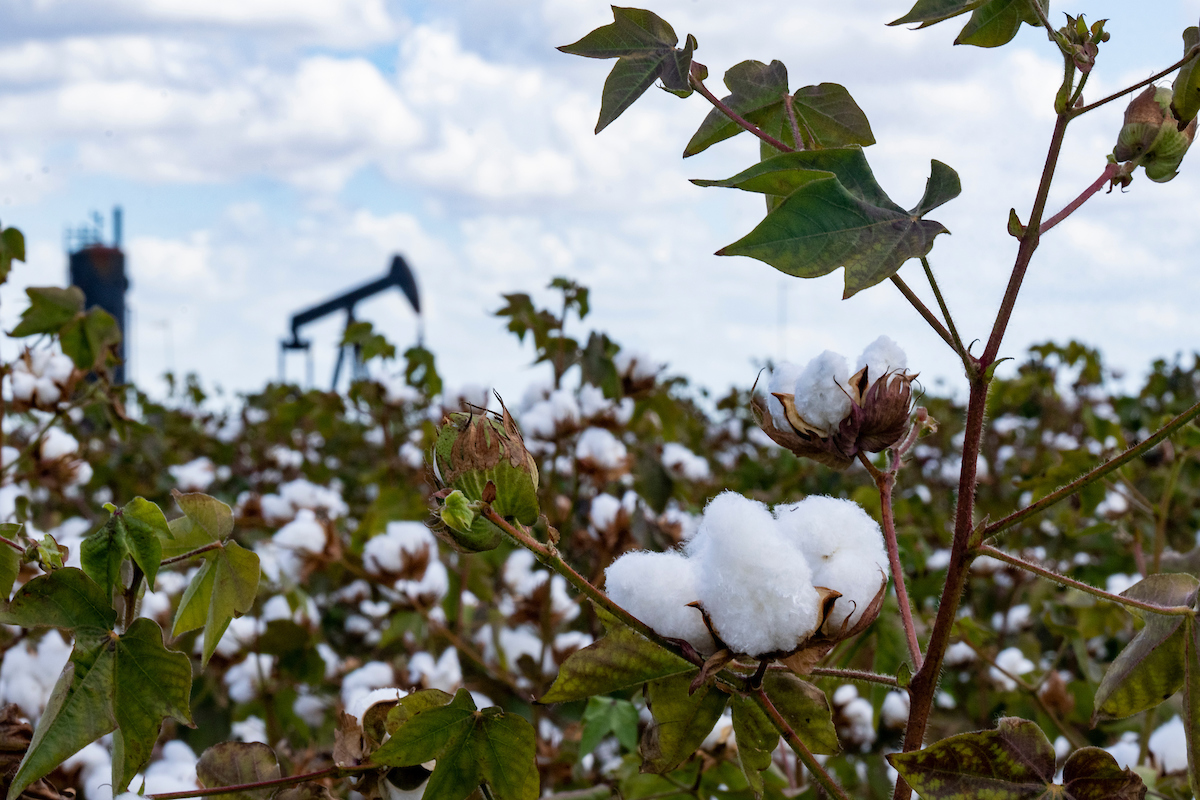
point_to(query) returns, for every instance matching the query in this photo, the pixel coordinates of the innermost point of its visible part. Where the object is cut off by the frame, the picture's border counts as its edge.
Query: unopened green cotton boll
(473, 450)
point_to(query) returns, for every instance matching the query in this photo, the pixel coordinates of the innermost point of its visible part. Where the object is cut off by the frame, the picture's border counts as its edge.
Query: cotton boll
(24, 385)
(310, 708)
(881, 357)
(820, 395)
(246, 678)
(959, 654)
(684, 463)
(844, 549)
(445, 673)
(372, 675)
(1013, 662)
(894, 713)
(28, 673)
(57, 443)
(194, 476)
(304, 534)
(601, 448)
(174, 772)
(781, 381)
(656, 588)
(251, 729)
(1126, 750)
(604, 511)
(361, 703)
(856, 723)
(756, 587)
(1168, 746)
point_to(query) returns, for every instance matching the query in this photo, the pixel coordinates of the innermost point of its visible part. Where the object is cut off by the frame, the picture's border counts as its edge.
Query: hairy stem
(924, 311)
(745, 124)
(329, 772)
(957, 343)
(799, 748)
(855, 675)
(12, 544)
(885, 482)
(1049, 574)
(1105, 177)
(192, 553)
(1095, 475)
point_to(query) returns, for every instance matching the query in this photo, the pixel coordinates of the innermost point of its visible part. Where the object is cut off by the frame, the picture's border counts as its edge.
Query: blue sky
(270, 153)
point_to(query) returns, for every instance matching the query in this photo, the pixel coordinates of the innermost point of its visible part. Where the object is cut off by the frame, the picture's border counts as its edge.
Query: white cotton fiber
(601, 448)
(57, 443)
(881, 357)
(656, 588)
(1168, 745)
(820, 392)
(304, 533)
(782, 381)
(682, 462)
(755, 586)
(844, 549)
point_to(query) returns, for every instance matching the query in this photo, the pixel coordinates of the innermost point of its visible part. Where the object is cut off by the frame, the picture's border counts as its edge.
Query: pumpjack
(399, 276)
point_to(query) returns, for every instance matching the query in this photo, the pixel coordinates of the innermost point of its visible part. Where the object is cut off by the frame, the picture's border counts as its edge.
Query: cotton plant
(40, 378)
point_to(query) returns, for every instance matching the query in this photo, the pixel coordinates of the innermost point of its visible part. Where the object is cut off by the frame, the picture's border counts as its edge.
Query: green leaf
(622, 657)
(225, 587)
(1151, 667)
(786, 173)
(942, 187)
(1185, 97)
(755, 89)
(79, 710)
(50, 308)
(830, 115)
(235, 763)
(65, 598)
(133, 531)
(676, 69)
(1191, 701)
(428, 733)
(630, 78)
(826, 224)
(12, 248)
(1014, 761)
(209, 514)
(931, 12)
(1093, 774)
(151, 684)
(996, 22)
(805, 708)
(605, 715)
(632, 32)
(470, 747)
(88, 338)
(681, 720)
(757, 739)
(412, 704)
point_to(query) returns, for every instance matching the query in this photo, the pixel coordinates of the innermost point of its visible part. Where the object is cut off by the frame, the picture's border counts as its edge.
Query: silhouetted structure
(399, 276)
(99, 270)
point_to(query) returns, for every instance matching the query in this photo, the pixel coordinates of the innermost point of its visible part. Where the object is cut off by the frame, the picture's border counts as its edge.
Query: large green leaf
(825, 224)
(50, 308)
(1013, 762)
(152, 683)
(225, 587)
(605, 715)
(806, 710)
(64, 598)
(942, 187)
(830, 115)
(12, 248)
(133, 531)
(1151, 667)
(996, 22)
(682, 719)
(237, 763)
(644, 46)
(757, 739)
(622, 657)
(470, 747)
(931, 12)
(89, 337)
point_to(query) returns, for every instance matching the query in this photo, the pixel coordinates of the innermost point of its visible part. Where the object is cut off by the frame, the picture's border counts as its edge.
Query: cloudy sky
(270, 153)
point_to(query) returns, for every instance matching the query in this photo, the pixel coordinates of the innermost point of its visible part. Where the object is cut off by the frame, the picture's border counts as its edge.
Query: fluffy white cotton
(599, 447)
(844, 548)
(370, 676)
(94, 763)
(1168, 745)
(782, 381)
(881, 357)
(430, 588)
(684, 463)
(174, 772)
(304, 533)
(559, 411)
(894, 713)
(57, 443)
(656, 588)
(251, 729)
(301, 493)
(247, 677)
(820, 393)
(637, 366)
(443, 673)
(361, 703)
(959, 654)
(755, 586)
(1126, 750)
(1013, 662)
(854, 718)
(194, 476)
(401, 541)
(604, 510)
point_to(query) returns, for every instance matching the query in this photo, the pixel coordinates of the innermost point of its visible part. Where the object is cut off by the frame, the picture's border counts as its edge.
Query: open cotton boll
(881, 357)
(1168, 745)
(782, 381)
(601, 448)
(755, 586)
(304, 533)
(656, 588)
(820, 392)
(57, 443)
(844, 549)
(682, 462)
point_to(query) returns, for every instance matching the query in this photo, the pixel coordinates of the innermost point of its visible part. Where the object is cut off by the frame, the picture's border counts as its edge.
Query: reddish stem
(1105, 177)
(745, 124)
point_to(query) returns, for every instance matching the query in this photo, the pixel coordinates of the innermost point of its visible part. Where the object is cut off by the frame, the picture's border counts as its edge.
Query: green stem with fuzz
(799, 748)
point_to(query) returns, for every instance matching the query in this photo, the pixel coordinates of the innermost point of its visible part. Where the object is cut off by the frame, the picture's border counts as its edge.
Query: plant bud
(1185, 101)
(1150, 137)
(465, 530)
(473, 450)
